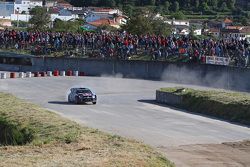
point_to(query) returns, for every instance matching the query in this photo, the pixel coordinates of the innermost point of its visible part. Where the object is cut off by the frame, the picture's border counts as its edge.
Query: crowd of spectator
(122, 45)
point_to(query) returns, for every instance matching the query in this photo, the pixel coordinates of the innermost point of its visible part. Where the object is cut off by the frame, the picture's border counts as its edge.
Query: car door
(72, 94)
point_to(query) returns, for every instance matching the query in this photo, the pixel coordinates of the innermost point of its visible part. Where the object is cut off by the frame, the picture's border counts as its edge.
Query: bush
(11, 134)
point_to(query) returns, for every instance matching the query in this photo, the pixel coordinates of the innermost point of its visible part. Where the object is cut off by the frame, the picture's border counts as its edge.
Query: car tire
(76, 100)
(94, 102)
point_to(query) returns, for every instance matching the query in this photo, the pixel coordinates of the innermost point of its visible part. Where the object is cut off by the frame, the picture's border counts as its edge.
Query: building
(94, 14)
(214, 32)
(50, 3)
(178, 22)
(24, 6)
(226, 22)
(198, 31)
(5, 23)
(115, 22)
(235, 32)
(6, 9)
(64, 5)
(63, 14)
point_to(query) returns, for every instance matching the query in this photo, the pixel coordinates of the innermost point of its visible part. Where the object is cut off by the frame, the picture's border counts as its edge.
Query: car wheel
(94, 102)
(76, 100)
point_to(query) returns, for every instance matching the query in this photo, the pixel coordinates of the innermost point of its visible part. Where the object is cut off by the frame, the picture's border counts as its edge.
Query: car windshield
(83, 91)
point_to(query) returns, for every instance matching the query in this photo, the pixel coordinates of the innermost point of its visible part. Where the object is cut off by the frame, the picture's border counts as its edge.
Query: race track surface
(126, 107)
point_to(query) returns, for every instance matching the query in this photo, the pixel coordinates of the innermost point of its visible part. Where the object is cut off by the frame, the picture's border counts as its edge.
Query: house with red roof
(227, 22)
(113, 22)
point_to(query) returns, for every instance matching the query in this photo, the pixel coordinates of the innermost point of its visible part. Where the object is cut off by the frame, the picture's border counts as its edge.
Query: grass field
(231, 106)
(50, 140)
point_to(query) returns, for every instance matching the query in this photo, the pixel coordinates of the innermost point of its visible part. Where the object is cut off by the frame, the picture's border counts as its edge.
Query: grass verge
(231, 106)
(55, 141)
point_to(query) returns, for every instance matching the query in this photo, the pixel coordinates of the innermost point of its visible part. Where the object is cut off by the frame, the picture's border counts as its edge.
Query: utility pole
(17, 17)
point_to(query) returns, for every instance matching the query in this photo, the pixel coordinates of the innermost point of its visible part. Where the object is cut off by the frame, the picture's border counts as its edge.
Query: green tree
(224, 7)
(40, 18)
(231, 4)
(176, 6)
(197, 4)
(178, 15)
(204, 7)
(141, 24)
(213, 4)
(161, 28)
(128, 10)
(166, 6)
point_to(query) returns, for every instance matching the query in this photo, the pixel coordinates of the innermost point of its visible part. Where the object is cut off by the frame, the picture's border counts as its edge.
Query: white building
(177, 22)
(101, 13)
(197, 32)
(235, 32)
(23, 6)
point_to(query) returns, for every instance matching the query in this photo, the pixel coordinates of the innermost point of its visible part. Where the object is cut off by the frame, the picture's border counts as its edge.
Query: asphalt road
(126, 107)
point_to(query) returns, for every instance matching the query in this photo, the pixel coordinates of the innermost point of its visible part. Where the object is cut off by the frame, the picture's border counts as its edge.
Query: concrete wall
(168, 98)
(205, 75)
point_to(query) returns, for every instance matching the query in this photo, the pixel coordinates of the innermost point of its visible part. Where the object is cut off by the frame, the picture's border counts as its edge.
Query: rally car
(81, 95)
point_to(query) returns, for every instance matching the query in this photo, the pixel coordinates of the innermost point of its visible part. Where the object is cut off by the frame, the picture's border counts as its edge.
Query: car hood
(85, 94)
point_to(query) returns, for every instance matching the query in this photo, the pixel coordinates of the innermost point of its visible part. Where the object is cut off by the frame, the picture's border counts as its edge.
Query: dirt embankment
(234, 154)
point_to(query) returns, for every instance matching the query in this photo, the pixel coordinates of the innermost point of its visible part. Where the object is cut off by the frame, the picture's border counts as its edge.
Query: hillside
(171, 5)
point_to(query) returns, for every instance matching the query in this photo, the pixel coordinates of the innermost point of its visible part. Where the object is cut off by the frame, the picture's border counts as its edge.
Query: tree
(224, 7)
(138, 25)
(204, 7)
(176, 6)
(161, 28)
(141, 24)
(128, 10)
(178, 15)
(231, 4)
(197, 4)
(166, 7)
(213, 4)
(40, 18)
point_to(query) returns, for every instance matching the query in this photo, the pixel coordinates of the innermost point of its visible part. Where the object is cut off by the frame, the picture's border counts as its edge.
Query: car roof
(82, 88)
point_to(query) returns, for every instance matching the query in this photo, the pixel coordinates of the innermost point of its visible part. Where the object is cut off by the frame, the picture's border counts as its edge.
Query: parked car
(81, 95)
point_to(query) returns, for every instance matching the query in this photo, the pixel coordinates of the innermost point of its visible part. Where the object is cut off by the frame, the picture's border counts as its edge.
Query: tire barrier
(21, 75)
(62, 73)
(28, 74)
(3, 76)
(49, 73)
(82, 74)
(56, 73)
(69, 73)
(12, 75)
(76, 73)
(36, 74)
(43, 74)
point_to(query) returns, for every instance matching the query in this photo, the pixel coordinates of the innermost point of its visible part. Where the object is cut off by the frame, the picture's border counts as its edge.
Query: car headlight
(93, 96)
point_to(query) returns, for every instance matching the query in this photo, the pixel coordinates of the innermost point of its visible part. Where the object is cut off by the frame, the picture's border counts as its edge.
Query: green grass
(39, 137)
(231, 106)
(46, 126)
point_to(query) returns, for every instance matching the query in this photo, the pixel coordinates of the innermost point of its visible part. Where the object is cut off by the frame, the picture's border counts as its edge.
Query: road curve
(126, 107)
